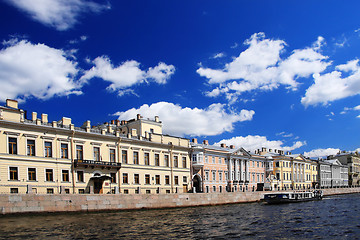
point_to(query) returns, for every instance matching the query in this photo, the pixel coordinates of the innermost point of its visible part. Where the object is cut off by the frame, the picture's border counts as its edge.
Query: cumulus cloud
(321, 152)
(341, 83)
(60, 14)
(251, 143)
(260, 67)
(35, 70)
(127, 74)
(181, 121)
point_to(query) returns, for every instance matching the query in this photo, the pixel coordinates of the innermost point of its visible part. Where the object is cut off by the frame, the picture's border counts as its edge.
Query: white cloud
(219, 55)
(252, 143)
(334, 86)
(60, 14)
(180, 121)
(321, 152)
(127, 74)
(261, 67)
(35, 70)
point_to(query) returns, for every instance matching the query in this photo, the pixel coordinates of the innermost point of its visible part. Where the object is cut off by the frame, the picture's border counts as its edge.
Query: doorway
(98, 185)
(197, 183)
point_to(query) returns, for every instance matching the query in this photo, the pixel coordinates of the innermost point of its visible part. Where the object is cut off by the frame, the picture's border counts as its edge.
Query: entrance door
(197, 183)
(184, 188)
(98, 186)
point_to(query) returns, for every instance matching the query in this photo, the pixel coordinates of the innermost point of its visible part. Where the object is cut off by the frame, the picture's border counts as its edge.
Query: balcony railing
(93, 163)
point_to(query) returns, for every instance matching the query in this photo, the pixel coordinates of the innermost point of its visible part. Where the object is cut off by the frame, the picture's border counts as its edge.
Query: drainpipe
(72, 161)
(171, 167)
(119, 155)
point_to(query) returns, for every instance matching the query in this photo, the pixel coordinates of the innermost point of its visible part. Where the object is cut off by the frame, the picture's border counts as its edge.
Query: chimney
(138, 117)
(113, 122)
(118, 123)
(263, 149)
(44, 118)
(12, 103)
(122, 122)
(194, 140)
(232, 146)
(206, 142)
(157, 119)
(270, 149)
(223, 145)
(34, 116)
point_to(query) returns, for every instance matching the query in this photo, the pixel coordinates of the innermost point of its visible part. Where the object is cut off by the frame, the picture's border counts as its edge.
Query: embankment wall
(27, 203)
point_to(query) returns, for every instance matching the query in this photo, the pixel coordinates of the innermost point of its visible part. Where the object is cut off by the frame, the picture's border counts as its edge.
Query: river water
(335, 217)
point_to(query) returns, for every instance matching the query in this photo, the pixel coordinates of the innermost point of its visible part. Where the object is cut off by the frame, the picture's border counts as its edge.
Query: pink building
(220, 169)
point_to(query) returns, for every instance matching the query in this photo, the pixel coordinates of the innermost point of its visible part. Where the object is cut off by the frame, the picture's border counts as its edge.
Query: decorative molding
(11, 133)
(79, 141)
(30, 135)
(96, 143)
(47, 138)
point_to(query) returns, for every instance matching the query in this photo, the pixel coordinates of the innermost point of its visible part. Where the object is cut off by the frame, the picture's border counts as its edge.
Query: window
(157, 159)
(166, 160)
(226, 176)
(81, 191)
(136, 157)
(146, 158)
(207, 176)
(64, 150)
(12, 145)
(32, 174)
(126, 191)
(48, 149)
(125, 178)
(14, 190)
(136, 179)
(184, 162)
(176, 180)
(80, 176)
(167, 180)
(124, 157)
(112, 155)
(220, 159)
(278, 176)
(214, 176)
(277, 164)
(79, 152)
(113, 177)
(49, 175)
(65, 175)
(184, 179)
(213, 159)
(157, 179)
(206, 159)
(30, 145)
(176, 161)
(220, 176)
(97, 154)
(214, 188)
(50, 191)
(13, 173)
(147, 179)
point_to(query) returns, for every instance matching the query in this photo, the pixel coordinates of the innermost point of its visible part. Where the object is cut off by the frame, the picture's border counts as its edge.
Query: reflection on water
(335, 217)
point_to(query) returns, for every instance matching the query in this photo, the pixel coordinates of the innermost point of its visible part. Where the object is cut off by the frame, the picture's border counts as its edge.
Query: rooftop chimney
(223, 145)
(206, 142)
(12, 103)
(138, 117)
(232, 146)
(194, 140)
(157, 119)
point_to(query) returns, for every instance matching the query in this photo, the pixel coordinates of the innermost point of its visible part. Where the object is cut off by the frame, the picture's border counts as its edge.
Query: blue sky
(276, 74)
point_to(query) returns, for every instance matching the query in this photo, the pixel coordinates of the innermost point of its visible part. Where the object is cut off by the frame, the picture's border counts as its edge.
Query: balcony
(96, 164)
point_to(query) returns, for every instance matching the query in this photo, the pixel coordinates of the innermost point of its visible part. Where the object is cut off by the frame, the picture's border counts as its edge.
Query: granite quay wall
(31, 203)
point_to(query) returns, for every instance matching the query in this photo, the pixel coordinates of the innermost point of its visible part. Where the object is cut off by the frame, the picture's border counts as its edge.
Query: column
(230, 169)
(236, 169)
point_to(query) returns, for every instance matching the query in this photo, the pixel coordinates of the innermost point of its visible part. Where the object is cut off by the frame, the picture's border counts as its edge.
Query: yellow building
(288, 171)
(38, 156)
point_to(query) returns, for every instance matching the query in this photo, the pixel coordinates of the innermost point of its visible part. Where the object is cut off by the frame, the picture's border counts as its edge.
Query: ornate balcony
(93, 164)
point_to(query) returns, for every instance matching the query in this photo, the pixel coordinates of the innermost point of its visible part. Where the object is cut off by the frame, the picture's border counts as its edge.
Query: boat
(290, 197)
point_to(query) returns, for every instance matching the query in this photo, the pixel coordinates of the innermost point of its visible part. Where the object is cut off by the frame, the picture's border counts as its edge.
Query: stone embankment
(27, 203)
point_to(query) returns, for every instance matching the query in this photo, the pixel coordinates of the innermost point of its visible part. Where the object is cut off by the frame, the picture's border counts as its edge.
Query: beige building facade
(38, 156)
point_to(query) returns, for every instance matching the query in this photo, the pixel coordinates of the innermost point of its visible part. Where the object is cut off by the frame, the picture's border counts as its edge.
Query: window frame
(63, 175)
(28, 174)
(79, 151)
(16, 172)
(112, 155)
(46, 148)
(52, 174)
(64, 152)
(30, 148)
(12, 145)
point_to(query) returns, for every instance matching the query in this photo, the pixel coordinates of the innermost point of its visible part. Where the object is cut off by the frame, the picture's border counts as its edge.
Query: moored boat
(289, 197)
